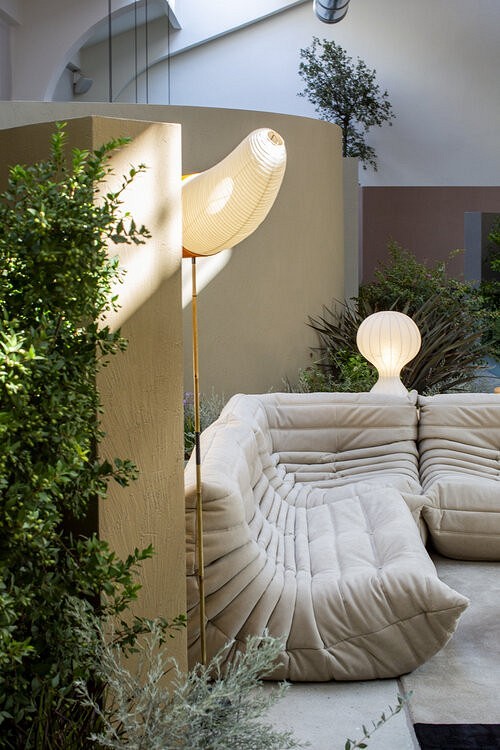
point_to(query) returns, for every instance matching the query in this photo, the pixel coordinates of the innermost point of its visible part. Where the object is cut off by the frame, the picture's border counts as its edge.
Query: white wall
(439, 60)
(46, 37)
(5, 72)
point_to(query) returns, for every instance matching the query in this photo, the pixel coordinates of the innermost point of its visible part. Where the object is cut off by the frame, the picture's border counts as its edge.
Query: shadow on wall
(207, 269)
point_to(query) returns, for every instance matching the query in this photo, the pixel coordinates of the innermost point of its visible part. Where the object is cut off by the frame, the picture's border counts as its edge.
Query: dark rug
(458, 736)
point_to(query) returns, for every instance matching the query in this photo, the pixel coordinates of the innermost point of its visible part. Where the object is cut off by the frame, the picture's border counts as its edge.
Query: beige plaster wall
(141, 390)
(253, 313)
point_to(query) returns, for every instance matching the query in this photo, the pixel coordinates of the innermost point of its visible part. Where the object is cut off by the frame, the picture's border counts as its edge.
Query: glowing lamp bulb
(389, 340)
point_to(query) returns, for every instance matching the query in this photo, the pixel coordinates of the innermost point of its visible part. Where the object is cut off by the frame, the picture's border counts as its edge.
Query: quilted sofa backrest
(333, 439)
(459, 433)
(338, 422)
(327, 421)
(249, 410)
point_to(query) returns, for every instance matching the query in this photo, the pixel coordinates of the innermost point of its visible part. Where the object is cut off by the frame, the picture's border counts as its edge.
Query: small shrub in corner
(220, 705)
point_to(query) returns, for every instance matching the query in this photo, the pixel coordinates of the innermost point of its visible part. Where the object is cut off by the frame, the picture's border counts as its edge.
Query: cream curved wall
(254, 312)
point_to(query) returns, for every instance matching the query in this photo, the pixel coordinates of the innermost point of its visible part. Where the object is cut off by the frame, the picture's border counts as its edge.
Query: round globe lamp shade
(226, 203)
(389, 340)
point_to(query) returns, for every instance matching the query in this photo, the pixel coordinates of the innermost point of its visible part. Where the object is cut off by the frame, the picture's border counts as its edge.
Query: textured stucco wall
(141, 390)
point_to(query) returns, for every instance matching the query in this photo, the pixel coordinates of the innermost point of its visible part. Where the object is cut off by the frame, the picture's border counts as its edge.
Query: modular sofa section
(459, 445)
(324, 440)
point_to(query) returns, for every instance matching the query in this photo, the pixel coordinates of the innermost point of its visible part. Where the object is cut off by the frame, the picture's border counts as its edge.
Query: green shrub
(405, 280)
(448, 312)
(345, 370)
(54, 290)
(220, 705)
(489, 291)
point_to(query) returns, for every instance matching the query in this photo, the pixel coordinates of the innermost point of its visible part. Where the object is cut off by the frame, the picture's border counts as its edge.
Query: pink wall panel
(429, 221)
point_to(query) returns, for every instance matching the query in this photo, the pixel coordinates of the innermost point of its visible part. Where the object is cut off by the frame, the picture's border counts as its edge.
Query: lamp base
(389, 386)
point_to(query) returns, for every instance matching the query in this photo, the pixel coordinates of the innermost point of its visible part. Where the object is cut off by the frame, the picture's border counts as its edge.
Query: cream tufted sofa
(316, 510)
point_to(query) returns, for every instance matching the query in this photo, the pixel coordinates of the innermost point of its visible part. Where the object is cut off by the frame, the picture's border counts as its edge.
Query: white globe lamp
(389, 340)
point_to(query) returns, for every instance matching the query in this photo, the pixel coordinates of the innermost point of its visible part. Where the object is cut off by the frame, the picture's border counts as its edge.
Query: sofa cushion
(459, 442)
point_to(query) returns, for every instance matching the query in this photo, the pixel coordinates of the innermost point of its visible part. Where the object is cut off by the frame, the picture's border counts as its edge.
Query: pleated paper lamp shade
(389, 340)
(226, 203)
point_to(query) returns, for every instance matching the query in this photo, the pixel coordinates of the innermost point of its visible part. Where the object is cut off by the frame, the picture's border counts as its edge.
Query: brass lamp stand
(197, 431)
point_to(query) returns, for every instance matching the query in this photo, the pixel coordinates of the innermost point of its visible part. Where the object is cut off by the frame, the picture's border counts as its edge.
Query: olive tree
(345, 93)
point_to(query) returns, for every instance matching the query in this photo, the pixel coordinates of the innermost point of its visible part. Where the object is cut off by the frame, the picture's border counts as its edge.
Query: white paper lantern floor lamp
(221, 207)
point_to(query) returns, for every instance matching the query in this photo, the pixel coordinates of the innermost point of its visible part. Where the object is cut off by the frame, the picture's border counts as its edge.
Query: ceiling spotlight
(330, 11)
(81, 84)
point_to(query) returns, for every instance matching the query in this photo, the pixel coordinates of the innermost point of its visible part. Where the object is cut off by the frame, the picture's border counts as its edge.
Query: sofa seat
(459, 445)
(303, 541)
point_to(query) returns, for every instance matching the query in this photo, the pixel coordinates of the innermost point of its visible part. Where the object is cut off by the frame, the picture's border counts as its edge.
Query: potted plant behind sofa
(346, 94)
